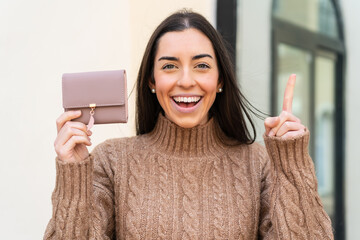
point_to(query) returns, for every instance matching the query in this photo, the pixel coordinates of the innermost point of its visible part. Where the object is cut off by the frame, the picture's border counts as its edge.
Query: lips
(186, 104)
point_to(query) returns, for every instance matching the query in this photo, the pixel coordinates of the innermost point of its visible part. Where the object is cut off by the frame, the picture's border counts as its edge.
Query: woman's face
(186, 77)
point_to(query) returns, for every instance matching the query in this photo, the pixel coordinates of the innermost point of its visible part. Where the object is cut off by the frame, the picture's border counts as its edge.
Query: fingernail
(89, 132)
(271, 133)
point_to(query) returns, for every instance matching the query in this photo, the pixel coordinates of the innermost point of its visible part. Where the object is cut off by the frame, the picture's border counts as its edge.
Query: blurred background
(269, 40)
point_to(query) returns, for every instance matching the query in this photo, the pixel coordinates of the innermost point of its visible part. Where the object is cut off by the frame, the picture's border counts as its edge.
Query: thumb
(270, 123)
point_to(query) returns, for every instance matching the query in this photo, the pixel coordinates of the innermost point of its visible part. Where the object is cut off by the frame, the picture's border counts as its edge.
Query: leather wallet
(101, 95)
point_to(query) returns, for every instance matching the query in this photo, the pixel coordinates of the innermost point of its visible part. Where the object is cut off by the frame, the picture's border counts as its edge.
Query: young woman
(193, 171)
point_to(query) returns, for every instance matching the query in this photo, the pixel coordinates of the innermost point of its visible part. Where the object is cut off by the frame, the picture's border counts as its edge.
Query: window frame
(293, 35)
(281, 31)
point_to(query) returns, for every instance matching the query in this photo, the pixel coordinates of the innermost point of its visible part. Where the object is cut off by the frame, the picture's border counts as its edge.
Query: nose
(186, 79)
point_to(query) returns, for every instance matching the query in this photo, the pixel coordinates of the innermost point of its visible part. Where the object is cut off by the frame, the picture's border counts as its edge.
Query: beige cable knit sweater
(177, 183)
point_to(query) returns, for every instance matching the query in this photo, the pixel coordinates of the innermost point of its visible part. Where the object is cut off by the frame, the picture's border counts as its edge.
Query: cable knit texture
(177, 183)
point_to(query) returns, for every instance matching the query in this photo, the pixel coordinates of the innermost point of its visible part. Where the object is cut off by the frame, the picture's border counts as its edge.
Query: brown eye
(203, 66)
(168, 66)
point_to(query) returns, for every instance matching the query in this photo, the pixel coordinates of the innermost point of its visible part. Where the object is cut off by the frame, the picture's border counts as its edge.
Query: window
(314, 15)
(306, 40)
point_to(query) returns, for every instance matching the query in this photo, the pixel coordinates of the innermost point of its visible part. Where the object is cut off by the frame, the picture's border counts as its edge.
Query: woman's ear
(151, 85)
(220, 86)
(151, 81)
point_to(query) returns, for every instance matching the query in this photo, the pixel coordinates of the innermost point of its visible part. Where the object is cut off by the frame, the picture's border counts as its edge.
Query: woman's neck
(170, 139)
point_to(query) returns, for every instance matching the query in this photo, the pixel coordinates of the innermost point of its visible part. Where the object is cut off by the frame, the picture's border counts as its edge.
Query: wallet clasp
(92, 106)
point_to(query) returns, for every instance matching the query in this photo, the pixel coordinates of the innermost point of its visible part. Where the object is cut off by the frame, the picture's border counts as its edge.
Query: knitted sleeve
(83, 199)
(290, 205)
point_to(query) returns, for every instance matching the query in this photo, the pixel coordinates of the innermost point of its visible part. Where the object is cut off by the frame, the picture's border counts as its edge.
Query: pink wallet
(101, 96)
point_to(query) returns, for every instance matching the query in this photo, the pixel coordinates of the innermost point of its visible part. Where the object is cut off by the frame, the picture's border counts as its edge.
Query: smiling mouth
(186, 102)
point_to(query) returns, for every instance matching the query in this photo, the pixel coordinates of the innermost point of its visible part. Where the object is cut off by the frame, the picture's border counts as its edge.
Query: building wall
(254, 55)
(40, 40)
(254, 70)
(351, 17)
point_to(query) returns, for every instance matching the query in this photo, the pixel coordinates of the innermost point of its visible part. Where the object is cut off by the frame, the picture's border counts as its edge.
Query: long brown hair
(230, 108)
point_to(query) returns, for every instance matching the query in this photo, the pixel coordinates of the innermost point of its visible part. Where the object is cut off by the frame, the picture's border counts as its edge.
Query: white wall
(40, 40)
(253, 55)
(350, 10)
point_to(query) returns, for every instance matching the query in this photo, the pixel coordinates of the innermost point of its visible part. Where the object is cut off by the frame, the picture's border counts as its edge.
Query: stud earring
(220, 90)
(153, 90)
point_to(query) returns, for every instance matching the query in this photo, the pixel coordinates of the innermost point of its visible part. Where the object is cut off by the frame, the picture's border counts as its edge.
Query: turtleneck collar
(171, 139)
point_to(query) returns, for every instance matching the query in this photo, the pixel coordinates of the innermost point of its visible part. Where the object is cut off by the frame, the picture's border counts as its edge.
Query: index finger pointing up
(289, 93)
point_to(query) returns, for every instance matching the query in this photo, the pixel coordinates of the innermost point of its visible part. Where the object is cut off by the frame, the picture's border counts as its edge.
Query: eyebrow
(193, 58)
(168, 58)
(201, 56)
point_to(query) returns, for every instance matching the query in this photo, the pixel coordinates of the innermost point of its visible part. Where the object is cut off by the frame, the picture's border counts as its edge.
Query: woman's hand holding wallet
(72, 138)
(102, 98)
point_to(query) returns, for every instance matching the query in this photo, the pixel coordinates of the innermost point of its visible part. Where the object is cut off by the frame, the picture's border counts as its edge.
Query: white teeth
(186, 99)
